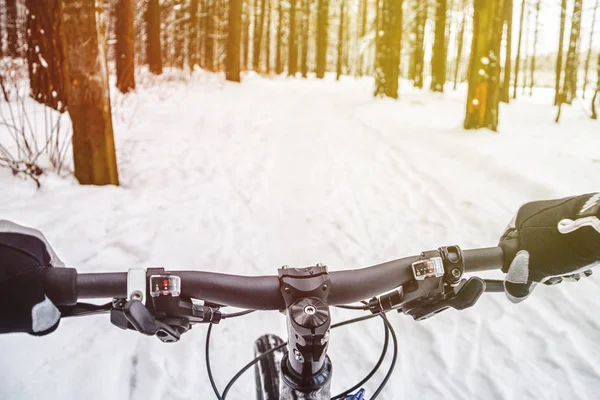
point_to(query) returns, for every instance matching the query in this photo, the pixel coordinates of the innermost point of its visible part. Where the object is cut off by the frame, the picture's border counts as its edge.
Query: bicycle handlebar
(65, 286)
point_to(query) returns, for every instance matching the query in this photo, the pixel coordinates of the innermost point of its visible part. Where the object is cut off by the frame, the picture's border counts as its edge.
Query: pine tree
(268, 39)
(387, 59)
(438, 58)
(340, 43)
(418, 56)
(234, 38)
(278, 58)
(88, 93)
(460, 42)
(363, 17)
(259, 22)
(246, 35)
(322, 37)
(535, 39)
(484, 67)
(589, 53)
(124, 47)
(45, 53)
(211, 29)
(570, 80)
(153, 49)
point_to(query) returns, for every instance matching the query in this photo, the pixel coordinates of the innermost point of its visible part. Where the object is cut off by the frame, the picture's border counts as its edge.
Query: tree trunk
(322, 39)
(193, 34)
(418, 59)
(364, 14)
(45, 56)
(518, 59)
(460, 44)
(438, 58)
(570, 83)
(246, 35)
(211, 27)
(525, 62)
(508, 18)
(340, 44)
(594, 113)
(268, 39)
(124, 46)
(293, 48)
(535, 39)
(305, 34)
(234, 38)
(88, 93)
(387, 68)
(559, 57)
(484, 67)
(179, 36)
(259, 21)
(12, 29)
(153, 49)
(589, 53)
(278, 61)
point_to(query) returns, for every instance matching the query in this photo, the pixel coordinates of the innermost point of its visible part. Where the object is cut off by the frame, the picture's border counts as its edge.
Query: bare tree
(362, 31)
(246, 34)
(153, 49)
(570, 79)
(259, 22)
(518, 59)
(234, 39)
(594, 113)
(88, 93)
(559, 57)
(484, 67)
(438, 58)
(268, 38)
(589, 53)
(322, 37)
(124, 47)
(417, 62)
(211, 30)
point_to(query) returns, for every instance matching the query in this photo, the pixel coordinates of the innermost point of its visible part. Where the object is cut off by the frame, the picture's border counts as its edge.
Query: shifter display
(165, 285)
(428, 268)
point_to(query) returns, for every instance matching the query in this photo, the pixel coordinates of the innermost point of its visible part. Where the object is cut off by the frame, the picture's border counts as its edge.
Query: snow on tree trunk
(88, 93)
(12, 29)
(438, 58)
(508, 18)
(124, 46)
(518, 58)
(293, 48)
(153, 49)
(305, 34)
(484, 67)
(234, 38)
(45, 55)
(193, 34)
(570, 83)
(322, 37)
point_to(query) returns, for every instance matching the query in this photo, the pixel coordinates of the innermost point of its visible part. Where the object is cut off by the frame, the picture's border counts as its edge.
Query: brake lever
(463, 296)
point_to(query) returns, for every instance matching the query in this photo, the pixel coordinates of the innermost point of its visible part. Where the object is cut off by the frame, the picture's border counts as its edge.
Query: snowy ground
(246, 178)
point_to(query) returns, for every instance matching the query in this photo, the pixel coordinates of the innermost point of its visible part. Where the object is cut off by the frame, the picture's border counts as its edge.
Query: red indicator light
(165, 283)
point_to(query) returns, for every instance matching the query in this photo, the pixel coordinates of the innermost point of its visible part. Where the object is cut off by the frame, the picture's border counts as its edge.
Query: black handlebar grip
(486, 259)
(60, 285)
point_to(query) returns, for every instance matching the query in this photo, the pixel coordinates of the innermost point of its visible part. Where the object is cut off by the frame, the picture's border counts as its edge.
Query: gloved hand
(550, 239)
(24, 307)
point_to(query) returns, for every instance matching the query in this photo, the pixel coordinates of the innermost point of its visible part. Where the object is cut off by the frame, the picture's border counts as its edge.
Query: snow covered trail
(246, 178)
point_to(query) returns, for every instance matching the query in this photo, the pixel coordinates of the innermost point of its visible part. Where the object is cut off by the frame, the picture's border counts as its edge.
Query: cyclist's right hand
(549, 239)
(24, 306)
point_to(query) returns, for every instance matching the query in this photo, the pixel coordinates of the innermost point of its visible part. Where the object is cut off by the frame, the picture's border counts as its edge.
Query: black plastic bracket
(454, 264)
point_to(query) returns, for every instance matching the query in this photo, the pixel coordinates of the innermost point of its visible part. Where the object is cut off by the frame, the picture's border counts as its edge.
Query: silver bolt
(455, 273)
(285, 266)
(310, 310)
(320, 265)
(136, 295)
(297, 355)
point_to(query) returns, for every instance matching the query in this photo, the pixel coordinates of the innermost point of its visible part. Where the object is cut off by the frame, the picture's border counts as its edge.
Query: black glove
(549, 239)
(24, 307)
